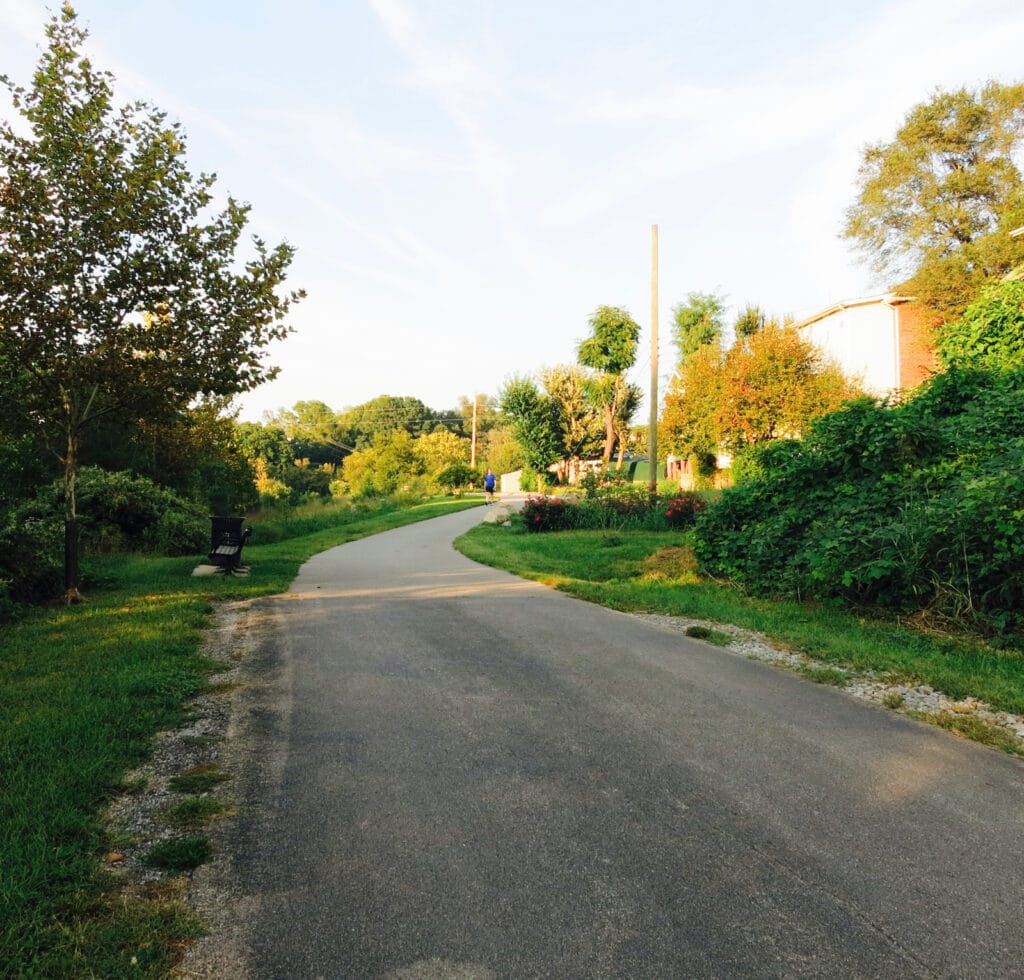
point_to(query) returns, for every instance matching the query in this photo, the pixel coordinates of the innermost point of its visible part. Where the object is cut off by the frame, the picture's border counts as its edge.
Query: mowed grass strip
(82, 691)
(615, 572)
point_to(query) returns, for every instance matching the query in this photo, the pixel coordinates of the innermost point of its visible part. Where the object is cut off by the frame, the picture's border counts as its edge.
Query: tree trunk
(71, 573)
(609, 433)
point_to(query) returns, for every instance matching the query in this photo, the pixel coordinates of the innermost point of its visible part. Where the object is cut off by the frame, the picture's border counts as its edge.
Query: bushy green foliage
(914, 507)
(385, 466)
(990, 333)
(457, 476)
(615, 506)
(117, 512)
(31, 561)
(178, 532)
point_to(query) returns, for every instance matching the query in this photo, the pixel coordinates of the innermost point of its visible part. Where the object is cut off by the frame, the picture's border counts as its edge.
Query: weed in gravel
(824, 675)
(978, 730)
(179, 854)
(199, 779)
(195, 812)
(717, 637)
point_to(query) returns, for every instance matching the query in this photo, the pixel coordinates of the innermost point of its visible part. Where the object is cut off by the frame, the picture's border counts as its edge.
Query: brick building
(883, 341)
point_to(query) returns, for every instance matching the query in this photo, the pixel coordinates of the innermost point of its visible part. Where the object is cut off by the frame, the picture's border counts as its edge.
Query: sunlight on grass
(82, 691)
(620, 577)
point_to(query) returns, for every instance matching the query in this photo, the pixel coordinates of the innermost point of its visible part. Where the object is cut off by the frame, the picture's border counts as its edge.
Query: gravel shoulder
(920, 701)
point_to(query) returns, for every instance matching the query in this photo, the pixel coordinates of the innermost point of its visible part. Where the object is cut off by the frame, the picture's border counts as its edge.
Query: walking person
(490, 480)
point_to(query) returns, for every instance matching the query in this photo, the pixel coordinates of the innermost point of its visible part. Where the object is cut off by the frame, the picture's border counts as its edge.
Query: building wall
(917, 348)
(862, 339)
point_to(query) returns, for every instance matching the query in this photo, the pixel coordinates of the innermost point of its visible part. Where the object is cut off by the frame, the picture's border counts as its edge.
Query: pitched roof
(889, 299)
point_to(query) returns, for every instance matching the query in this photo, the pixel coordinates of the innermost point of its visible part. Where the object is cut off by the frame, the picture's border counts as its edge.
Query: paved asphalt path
(464, 775)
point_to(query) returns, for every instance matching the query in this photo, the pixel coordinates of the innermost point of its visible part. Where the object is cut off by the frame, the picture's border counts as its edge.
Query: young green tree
(390, 462)
(118, 292)
(697, 322)
(535, 421)
(611, 351)
(688, 425)
(750, 320)
(937, 202)
(579, 424)
(772, 385)
(440, 449)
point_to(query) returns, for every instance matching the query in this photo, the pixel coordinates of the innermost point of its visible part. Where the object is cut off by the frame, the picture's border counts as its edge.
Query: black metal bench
(226, 542)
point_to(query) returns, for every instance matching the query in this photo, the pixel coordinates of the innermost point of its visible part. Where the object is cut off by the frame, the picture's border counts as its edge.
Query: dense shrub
(548, 514)
(116, 511)
(682, 509)
(178, 532)
(457, 476)
(915, 507)
(31, 560)
(627, 506)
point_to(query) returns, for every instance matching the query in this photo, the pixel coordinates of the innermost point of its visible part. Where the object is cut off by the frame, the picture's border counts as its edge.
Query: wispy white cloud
(840, 94)
(464, 90)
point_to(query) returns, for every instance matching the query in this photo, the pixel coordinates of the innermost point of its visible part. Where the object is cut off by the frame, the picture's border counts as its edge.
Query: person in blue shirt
(490, 480)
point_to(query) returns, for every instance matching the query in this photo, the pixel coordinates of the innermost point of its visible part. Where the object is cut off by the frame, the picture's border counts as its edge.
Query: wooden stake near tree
(119, 291)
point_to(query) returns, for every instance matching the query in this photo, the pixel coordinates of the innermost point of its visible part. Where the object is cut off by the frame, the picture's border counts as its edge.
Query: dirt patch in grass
(677, 564)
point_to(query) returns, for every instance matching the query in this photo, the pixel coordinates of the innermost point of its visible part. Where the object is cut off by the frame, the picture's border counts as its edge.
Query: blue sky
(467, 181)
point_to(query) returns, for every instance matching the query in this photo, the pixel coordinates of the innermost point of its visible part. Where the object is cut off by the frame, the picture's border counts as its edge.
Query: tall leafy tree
(119, 291)
(688, 424)
(580, 425)
(937, 202)
(535, 420)
(315, 431)
(390, 462)
(773, 385)
(386, 413)
(611, 351)
(767, 386)
(750, 320)
(487, 413)
(697, 322)
(441, 448)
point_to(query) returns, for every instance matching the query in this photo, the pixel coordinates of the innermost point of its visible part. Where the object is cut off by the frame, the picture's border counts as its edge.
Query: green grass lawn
(609, 569)
(82, 691)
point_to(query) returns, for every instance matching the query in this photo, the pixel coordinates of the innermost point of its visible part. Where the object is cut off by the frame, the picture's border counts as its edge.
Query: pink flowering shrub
(634, 508)
(548, 514)
(682, 509)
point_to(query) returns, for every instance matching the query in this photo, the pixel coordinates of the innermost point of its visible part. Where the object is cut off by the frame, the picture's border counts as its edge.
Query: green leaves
(611, 347)
(118, 298)
(990, 333)
(936, 203)
(914, 507)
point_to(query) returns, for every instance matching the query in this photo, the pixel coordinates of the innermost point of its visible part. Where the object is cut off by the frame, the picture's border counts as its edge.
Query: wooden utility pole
(652, 434)
(472, 449)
